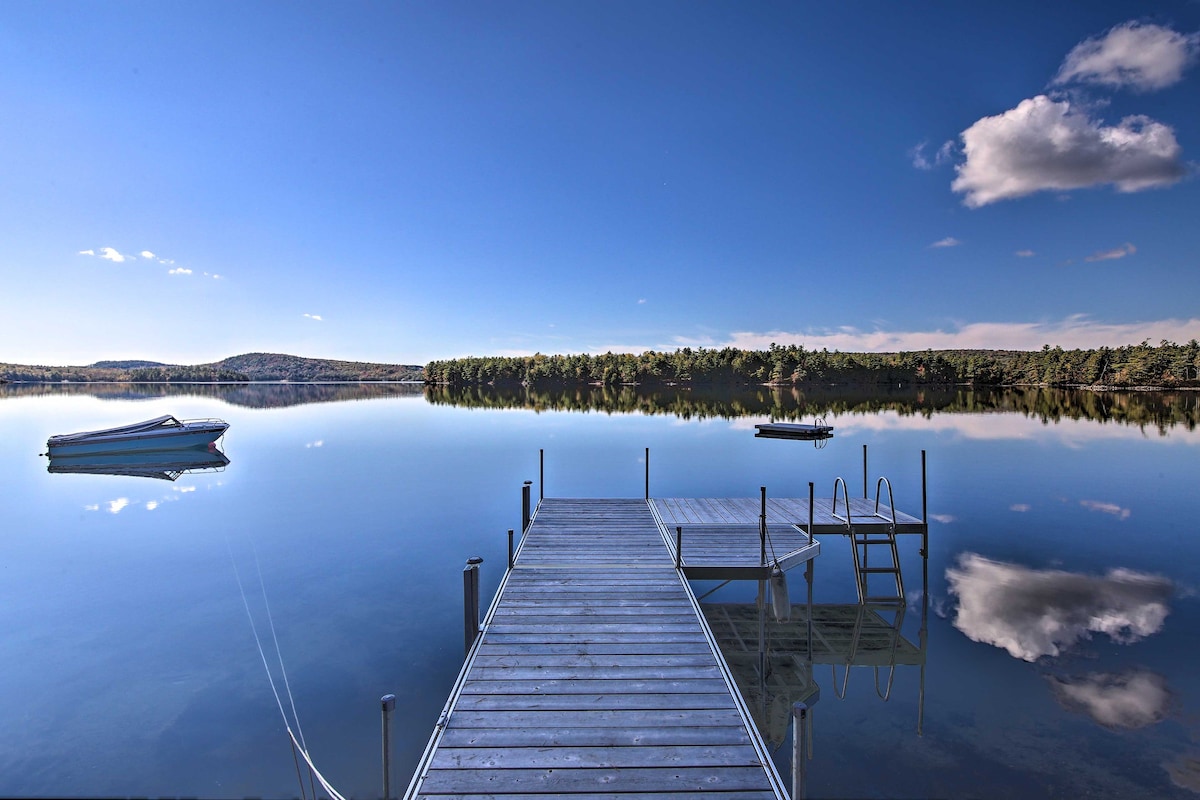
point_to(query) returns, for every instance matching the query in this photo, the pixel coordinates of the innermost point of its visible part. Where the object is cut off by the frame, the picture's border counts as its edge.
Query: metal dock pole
(471, 601)
(525, 506)
(388, 704)
(541, 473)
(647, 473)
(799, 749)
(510, 548)
(864, 472)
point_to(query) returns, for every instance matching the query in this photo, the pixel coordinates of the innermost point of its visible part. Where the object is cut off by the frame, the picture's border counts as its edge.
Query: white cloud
(945, 519)
(184, 489)
(943, 154)
(317, 443)
(179, 271)
(1024, 254)
(1106, 508)
(1131, 700)
(1077, 331)
(1140, 56)
(92, 507)
(1033, 613)
(1117, 252)
(107, 253)
(147, 254)
(87, 252)
(1020, 508)
(151, 505)
(641, 301)
(316, 317)
(1045, 144)
(949, 241)
(115, 506)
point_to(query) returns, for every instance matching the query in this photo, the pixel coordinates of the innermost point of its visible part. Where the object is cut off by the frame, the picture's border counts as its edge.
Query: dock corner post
(865, 479)
(800, 712)
(471, 601)
(541, 473)
(388, 704)
(510, 548)
(678, 546)
(525, 506)
(647, 473)
(762, 527)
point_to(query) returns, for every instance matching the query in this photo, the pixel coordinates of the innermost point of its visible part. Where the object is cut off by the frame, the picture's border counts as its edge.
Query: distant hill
(126, 364)
(278, 367)
(243, 368)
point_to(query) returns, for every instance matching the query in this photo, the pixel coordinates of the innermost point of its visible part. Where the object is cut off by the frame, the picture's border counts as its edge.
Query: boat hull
(187, 435)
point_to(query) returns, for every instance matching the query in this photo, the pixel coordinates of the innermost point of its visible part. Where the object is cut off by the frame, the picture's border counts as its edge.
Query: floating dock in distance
(793, 430)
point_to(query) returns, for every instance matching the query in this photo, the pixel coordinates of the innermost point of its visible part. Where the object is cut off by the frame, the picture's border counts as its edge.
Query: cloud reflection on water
(1033, 613)
(1132, 699)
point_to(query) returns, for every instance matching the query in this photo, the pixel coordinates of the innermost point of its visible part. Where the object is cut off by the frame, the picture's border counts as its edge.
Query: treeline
(1159, 410)
(1166, 365)
(279, 367)
(248, 395)
(205, 373)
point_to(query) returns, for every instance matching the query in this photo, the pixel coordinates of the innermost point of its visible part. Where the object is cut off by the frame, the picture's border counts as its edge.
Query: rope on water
(297, 744)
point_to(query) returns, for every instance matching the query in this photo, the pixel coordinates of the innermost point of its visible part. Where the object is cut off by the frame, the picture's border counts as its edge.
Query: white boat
(161, 433)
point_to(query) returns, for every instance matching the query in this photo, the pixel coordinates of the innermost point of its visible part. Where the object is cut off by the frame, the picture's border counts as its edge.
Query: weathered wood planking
(595, 677)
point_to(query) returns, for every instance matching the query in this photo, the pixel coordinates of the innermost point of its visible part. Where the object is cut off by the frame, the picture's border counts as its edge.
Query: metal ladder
(868, 536)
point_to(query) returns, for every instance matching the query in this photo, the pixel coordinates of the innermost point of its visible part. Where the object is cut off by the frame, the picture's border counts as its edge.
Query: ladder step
(891, 570)
(887, 599)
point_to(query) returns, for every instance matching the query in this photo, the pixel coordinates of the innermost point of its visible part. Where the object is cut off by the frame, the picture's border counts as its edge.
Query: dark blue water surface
(1063, 624)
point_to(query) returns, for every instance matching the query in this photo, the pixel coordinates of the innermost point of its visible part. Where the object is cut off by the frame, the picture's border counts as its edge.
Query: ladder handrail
(891, 498)
(846, 494)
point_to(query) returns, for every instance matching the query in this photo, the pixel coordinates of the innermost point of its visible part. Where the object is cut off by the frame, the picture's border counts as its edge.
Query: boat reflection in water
(165, 465)
(773, 661)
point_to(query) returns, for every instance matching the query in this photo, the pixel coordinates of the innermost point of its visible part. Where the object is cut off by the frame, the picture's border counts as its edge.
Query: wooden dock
(595, 675)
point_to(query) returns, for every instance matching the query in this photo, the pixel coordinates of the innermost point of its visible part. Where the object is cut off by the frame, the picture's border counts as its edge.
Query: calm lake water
(1063, 621)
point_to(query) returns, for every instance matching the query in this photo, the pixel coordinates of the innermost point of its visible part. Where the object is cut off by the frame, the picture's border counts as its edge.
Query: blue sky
(401, 182)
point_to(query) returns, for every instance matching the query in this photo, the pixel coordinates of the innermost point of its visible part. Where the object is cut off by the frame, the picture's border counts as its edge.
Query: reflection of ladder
(872, 532)
(879, 635)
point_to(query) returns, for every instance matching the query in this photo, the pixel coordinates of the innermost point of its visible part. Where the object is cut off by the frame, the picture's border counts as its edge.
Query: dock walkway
(595, 676)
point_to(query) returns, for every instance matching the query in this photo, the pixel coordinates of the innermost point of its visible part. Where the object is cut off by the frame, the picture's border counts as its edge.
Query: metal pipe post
(678, 546)
(388, 704)
(541, 473)
(762, 527)
(864, 472)
(647, 473)
(510, 548)
(799, 749)
(525, 506)
(471, 601)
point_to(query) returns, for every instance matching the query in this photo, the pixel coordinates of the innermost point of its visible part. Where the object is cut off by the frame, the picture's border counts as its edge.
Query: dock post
(864, 472)
(647, 473)
(541, 473)
(762, 528)
(387, 704)
(471, 601)
(525, 506)
(799, 749)
(678, 546)
(808, 574)
(510, 549)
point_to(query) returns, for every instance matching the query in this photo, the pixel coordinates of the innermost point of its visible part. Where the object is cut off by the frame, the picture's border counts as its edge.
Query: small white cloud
(92, 507)
(945, 519)
(1106, 508)
(317, 443)
(316, 317)
(87, 252)
(1044, 144)
(1020, 508)
(148, 255)
(1140, 56)
(179, 271)
(641, 301)
(1130, 700)
(184, 489)
(151, 505)
(949, 241)
(1117, 252)
(115, 506)
(107, 253)
(943, 155)
(1024, 254)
